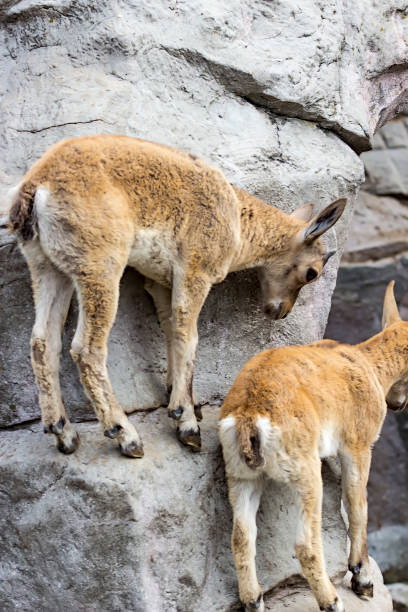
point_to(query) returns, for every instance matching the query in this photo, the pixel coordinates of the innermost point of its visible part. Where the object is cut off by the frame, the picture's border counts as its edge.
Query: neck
(266, 232)
(388, 354)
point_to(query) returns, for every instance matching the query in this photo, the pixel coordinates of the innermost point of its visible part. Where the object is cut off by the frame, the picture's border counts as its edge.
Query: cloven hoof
(132, 449)
(364, 591)
(190, 438)
(65, 448)
(257, 605)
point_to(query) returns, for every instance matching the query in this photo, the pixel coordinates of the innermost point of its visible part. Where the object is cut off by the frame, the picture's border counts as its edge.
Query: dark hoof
(57, 428)
(133, 449)
(190, 438)
(255, 605)
(365, 591)
(198, 413)
(332, 607)
(67, 449)
(176, 414)
(113, 432)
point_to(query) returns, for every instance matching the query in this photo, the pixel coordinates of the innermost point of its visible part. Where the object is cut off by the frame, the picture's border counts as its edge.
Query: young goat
(92, 205)
(290, 407)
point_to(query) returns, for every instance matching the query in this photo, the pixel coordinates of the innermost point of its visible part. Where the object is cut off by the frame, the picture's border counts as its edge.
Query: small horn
(390, 309)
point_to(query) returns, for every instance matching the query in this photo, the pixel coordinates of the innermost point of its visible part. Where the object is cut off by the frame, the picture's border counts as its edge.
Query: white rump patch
(40, 199)
(265, 431)
(227, 430)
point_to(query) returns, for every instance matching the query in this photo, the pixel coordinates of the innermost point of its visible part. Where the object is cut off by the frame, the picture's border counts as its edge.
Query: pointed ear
(324, 220)
(303, 213)
(390, 309)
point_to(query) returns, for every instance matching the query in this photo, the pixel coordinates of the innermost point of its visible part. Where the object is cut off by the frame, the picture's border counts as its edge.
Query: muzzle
(277, 311)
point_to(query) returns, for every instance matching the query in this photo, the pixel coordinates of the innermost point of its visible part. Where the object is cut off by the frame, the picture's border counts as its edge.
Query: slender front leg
(309, 546)
(355, 471)
(188, 296)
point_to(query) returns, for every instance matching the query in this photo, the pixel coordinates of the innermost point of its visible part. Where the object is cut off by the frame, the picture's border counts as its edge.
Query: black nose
(273, 312)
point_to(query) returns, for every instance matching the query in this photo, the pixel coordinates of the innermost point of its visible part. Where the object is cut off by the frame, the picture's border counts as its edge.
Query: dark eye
(310, 274)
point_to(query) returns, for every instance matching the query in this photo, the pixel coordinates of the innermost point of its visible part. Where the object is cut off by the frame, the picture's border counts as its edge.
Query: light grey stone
(96, 531)
(389, 546)
(298, 599)
(379, 229)
(377, 141)
(399, 594)
(382, 174)
(395, 134)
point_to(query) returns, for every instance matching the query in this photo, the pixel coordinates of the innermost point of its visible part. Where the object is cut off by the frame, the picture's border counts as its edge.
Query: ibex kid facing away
(289, 408)
(90, 206)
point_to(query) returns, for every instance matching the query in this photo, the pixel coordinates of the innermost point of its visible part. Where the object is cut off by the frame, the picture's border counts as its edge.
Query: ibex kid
(90, 206)
(289, 408)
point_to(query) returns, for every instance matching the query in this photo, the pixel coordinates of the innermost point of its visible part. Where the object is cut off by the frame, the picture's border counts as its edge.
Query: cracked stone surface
(386, 166)
(282, 97)
(108, 533)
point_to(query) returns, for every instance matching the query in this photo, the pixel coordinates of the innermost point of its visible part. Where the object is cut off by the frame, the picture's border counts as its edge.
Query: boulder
(95, 530)
(399, 594)
(389, 546)
(386, 166)
(302, 600)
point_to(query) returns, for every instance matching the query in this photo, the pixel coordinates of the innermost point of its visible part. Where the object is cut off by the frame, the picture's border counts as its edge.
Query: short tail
(250, 443)
(22, 219)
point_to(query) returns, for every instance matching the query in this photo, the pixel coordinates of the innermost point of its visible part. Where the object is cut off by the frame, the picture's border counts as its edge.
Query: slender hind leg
(245, 496)
(98, 295)
(52, 296)
(309, 547)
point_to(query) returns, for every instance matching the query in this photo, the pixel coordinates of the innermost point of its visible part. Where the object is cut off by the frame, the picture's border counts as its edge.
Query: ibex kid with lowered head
(90, 206)
(289, 408)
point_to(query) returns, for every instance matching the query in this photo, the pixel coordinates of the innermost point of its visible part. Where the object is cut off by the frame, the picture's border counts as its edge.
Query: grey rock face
(95, 531)
(280, 96)
(399, 594)
(389, 545)
(387, 165)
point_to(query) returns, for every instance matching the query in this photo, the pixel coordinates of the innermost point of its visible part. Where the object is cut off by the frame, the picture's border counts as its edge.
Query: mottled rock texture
(95, 531)
(281, 96)
(386, 166)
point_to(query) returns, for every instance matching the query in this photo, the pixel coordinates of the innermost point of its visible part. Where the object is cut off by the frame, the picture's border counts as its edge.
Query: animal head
(397, 395)
(306, 257)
